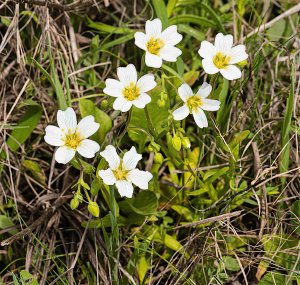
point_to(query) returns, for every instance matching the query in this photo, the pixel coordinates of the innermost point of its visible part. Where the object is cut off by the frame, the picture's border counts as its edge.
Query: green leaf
(161, 12)
(87, 107)
(295, 218)
(189, 18)
(142, 268)
(223, 112)
(274, 278)
(145, 203)
(6, 222)
(28, 278)
(25, 127)
(36, 170)
(108, 28)
(286, 128)
(231, 263)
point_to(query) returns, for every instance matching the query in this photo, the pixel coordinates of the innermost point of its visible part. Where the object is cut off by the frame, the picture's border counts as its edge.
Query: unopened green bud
(104, 104)
(158, 158)
(153, 146)
(176, 142)
(242, 63)
(165, 96)
(93, 208)
(161, 103)
(74, 203)
(186, 142)
(78, 196)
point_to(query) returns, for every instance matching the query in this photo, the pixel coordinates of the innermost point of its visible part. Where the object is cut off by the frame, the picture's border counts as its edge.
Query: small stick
(211, 219)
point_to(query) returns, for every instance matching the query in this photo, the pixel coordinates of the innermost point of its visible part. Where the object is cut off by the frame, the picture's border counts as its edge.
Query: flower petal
(107, 176)
(185, 92)
(237, 54)
(139, 178)
(141, 40)
(207, 50)
(87, 126)
(210, 104)
(153, 60)
(127, 74)
(146, 83)
(67, 119)
(209, 66)
(113, 87)
(122, 104)
(88, 148)
(170, 53)
(231, 72)
(200, 118)
(223, 43)
(54, 136)
(64, 154)
(171, 36)
(125, 188)
(181, 113)
(142, 101)
(153, 28)
(131, 159)
(111, 156)
(204, 90)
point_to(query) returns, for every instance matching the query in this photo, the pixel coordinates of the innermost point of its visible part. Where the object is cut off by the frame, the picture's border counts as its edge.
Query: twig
(211, 219)
(287, 13)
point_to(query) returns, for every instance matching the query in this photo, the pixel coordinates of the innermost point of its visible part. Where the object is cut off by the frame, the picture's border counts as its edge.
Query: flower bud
(186, 142)
(176, 142)
(93, 208)
(74, 203)
(242, 63)
(158, 158)
(104, 104)
(161, 103)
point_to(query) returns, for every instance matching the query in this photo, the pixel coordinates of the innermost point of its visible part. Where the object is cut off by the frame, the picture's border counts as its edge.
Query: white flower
(159, 45)
(128, 90)
(222, 56)
(195, 104)
(123, 172)
(71, 137)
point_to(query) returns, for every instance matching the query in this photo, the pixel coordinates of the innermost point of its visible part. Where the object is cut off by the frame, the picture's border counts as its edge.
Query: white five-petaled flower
(128, 90)
(71, 137)
(195, 104)
(123, 171)
(222, 56)
(159, 45)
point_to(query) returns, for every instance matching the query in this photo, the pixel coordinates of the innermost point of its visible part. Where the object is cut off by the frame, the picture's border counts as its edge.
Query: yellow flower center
(73, 140)
(119, 173)
(131, 92)
(154, 45)
(221, 60)
(194, 102)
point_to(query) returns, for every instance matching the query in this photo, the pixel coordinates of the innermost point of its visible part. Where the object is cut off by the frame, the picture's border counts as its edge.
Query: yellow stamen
(194, 102)
(119, 173)
(72, 140)
(131, 92)
(154, 45)
(221, 60)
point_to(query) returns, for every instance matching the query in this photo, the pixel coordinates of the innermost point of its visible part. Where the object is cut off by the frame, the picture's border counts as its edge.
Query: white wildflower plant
(129, 90)
(123, 172)
(71, 137)
(196, 104)
(159, 45)
(222, 56)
